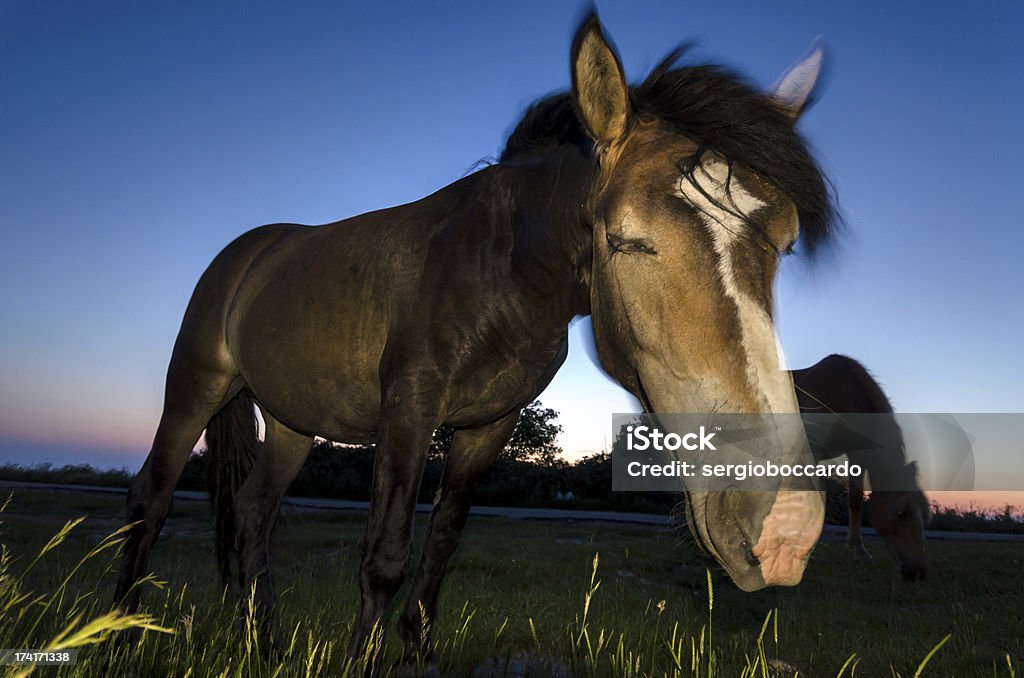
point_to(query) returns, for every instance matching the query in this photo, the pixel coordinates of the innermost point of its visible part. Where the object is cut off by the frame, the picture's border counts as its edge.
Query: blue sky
(137, 139)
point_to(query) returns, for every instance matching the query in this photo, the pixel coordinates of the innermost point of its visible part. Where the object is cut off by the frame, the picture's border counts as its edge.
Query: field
(522, 598)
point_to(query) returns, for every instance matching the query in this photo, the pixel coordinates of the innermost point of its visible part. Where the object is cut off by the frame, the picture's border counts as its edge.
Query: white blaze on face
(793, 525)
(719, 204)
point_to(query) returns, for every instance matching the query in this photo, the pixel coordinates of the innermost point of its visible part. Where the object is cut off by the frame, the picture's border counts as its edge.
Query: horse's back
(838, 383)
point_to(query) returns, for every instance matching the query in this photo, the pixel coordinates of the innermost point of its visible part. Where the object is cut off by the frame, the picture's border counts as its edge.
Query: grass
(522, 598)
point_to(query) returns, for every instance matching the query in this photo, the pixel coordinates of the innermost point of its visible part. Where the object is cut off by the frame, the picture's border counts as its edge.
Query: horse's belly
(307, 331)
(311, 388)
(345, 411)
(315, 370)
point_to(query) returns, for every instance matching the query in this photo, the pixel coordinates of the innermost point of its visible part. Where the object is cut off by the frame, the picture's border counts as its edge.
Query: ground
(516, 601)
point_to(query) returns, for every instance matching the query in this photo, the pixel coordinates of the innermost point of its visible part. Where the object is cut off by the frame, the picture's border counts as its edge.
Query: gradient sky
(137, 139)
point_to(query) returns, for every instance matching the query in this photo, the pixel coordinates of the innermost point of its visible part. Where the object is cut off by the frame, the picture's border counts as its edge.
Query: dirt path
(832, 532)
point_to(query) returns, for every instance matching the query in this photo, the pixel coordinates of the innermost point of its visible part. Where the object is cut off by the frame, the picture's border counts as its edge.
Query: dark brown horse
(661, 209)
(900, 510)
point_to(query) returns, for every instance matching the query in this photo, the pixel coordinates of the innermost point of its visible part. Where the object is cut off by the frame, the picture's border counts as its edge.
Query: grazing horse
(899, 510)
(661, 210)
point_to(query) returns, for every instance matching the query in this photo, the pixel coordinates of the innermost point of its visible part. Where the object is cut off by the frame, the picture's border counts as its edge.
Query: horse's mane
(719, 111)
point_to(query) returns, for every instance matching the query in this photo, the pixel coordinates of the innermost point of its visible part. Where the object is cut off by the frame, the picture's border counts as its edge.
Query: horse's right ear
(599, 85)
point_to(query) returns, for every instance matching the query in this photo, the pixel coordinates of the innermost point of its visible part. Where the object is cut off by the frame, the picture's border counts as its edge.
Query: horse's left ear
(599, 85)
(795, 90)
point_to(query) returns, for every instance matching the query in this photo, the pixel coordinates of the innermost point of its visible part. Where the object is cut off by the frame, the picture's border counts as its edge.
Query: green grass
(581, 599)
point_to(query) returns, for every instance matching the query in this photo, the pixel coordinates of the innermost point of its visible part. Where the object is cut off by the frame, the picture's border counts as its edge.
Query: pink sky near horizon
(985, 500)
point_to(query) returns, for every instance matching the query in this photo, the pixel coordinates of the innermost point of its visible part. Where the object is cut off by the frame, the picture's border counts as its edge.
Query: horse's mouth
(747, 578)
(731, 529)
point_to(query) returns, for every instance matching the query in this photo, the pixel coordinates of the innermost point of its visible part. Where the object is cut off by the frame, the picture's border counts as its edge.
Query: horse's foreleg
(257, 505)
(192, 398)
(397, 471)
(472, 453)
(854, 540)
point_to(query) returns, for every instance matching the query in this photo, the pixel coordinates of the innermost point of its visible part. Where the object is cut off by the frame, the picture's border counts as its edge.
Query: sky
(137, 139)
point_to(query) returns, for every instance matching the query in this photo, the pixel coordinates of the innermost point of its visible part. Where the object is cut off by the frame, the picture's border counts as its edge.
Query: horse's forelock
(719, 111)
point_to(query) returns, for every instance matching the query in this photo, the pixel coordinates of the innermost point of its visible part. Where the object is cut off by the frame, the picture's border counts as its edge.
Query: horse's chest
(498, 383)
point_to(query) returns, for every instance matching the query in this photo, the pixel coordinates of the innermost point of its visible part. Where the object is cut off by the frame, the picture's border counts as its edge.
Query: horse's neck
(887, 463)
(553, 238)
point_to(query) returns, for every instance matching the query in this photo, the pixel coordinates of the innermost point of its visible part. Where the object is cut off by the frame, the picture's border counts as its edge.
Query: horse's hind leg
(193, 395)
(256, 509)
(472, 453)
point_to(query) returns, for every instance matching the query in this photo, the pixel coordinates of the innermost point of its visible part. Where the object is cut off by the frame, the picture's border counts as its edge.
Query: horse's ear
(795, 90)
(598, 84)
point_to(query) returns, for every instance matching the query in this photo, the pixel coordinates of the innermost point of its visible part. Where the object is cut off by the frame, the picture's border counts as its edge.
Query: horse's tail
(231, 446)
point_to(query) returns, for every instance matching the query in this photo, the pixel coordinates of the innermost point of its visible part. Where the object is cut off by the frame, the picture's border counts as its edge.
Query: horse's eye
(617, 244)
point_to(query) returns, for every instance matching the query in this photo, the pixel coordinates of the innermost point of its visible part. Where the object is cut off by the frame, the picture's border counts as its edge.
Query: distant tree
(619, 444)
(527, 473)
(534, 438)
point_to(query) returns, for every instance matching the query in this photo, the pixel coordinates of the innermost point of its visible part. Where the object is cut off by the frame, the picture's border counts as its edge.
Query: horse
(661, 210)
(898, 509)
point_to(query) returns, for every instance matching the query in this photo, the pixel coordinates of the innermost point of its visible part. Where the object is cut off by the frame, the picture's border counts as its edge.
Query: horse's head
(702, 183)
(899, 517)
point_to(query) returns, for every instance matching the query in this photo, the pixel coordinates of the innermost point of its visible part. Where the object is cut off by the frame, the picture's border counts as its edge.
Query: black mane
(719, 111)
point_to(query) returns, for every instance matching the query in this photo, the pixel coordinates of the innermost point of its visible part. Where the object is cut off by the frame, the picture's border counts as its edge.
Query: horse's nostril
(748, 554)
